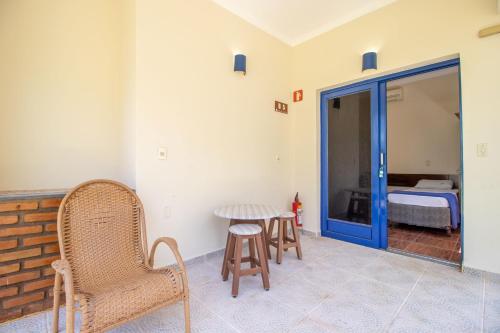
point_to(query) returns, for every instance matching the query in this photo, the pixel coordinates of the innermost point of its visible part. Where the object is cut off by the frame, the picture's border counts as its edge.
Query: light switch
(482, 150)
(167, 212)
(162, 153)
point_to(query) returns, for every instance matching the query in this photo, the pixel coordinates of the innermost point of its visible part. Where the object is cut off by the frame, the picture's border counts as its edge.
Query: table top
(247, 212)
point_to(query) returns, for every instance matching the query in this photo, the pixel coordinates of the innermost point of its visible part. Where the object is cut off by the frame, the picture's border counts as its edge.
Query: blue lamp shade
(240, 63)
(369, 60)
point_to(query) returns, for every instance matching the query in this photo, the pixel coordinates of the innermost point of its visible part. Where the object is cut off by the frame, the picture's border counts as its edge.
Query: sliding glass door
(353, 164)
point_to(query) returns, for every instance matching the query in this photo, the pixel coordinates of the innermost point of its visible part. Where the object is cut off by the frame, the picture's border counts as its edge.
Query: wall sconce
(240, 63)
(369, 61)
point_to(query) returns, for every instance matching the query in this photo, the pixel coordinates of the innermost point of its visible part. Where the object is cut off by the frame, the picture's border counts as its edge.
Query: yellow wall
(219, 127)
(86, 91)
(407, 33)
(62, 82)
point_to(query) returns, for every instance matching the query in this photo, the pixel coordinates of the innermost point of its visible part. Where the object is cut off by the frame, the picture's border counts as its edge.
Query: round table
(252, 214)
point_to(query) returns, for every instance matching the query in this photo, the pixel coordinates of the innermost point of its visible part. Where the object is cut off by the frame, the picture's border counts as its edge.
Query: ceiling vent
(395, 94)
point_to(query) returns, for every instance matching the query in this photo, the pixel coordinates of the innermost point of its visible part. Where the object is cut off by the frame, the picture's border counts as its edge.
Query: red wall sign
(297, 95)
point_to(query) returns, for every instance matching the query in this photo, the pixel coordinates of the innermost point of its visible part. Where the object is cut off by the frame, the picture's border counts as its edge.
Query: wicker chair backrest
(100, 226)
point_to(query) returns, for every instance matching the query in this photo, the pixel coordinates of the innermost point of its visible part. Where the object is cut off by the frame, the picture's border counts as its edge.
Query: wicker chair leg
(70, 314)
(57, 302)
(187, 316)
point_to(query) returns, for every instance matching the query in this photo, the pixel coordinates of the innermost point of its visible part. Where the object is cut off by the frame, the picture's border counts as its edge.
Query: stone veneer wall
(28, 245)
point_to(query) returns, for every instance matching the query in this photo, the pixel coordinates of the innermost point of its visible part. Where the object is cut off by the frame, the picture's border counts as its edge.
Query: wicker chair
(104, 261)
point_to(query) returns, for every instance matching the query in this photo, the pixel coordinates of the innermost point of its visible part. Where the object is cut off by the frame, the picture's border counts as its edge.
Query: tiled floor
(338, 287)
(426, 241)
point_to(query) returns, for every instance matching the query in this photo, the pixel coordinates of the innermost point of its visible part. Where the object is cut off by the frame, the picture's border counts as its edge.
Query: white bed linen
(418, 200)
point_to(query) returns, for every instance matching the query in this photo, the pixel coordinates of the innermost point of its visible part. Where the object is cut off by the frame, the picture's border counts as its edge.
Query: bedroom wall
(409, 33)
(225, 142)
(63, 77)
(423, 134)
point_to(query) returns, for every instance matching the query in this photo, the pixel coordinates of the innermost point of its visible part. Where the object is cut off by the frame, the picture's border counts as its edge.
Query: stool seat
(245, 229)
(287, 215)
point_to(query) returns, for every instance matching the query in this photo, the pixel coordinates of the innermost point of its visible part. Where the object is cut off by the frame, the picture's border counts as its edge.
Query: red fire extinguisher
(297, 209)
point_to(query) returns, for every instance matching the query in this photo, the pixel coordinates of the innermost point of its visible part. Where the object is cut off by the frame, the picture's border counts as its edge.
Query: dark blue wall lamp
(240, 63)
(369, 61)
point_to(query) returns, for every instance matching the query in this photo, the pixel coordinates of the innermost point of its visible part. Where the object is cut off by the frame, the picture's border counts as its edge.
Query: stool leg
(296, 237)
(237, 266)
(229, 257)
(251, 249)
(285, 234)
(279, 253)
(264, 272)
(263, 234)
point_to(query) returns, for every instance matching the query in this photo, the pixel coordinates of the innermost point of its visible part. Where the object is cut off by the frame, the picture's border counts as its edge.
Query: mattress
(418, 200)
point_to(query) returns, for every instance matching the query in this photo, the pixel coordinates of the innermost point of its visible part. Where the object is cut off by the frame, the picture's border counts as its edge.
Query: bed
(424, 200)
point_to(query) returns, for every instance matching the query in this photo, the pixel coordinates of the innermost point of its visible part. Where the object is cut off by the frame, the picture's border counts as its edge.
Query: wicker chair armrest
(62, 267)
(172, 244)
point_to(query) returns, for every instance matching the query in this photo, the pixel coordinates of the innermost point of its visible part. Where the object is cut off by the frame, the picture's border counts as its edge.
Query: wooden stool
(283, 242)
(234, 252)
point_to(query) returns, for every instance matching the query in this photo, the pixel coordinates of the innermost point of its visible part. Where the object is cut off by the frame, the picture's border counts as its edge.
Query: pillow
(435, 184)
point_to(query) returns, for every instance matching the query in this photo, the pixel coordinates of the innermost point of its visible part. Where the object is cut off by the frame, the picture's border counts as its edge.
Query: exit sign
(298, 95)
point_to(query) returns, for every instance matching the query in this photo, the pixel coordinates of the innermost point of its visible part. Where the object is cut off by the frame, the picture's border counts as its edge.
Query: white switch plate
(162, 153)
(482, 150)
(167, 212)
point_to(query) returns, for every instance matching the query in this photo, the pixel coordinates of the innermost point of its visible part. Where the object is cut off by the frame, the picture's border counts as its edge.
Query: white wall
(408, 33)
(219, 127)
(62, 77)
(423, 136)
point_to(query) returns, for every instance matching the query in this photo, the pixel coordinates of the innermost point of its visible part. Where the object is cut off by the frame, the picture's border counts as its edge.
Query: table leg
(265, 243)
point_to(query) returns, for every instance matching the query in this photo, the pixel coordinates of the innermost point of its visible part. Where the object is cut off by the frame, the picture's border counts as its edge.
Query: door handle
(381, 168)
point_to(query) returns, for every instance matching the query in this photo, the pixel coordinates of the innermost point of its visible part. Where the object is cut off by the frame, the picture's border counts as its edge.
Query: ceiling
(295, 21)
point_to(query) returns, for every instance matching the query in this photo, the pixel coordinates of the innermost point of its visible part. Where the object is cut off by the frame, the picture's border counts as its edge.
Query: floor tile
(299, 294)
(361, 305)
(310, 326)
(171, 319)
(424, 312)
(261, 313)
(394, 270)
(30, 324)
(325, 274)
(492, 303)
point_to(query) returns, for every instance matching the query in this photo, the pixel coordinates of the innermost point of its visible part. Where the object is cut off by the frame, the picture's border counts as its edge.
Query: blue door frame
(376, 234)
(337, 228)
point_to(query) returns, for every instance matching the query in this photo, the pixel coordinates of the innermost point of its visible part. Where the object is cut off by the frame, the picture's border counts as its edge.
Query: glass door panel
(349, 158)
(351, 164)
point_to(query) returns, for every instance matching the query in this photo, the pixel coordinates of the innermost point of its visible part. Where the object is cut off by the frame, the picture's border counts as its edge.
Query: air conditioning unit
(395, 94)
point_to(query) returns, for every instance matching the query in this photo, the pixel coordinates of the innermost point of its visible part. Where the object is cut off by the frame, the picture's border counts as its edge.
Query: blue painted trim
(353, 232)
(462, 197)
(383, 149)
(378, 199)
(400, 75)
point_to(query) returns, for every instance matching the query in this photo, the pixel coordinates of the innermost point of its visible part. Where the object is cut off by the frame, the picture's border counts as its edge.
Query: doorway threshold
(427, 258)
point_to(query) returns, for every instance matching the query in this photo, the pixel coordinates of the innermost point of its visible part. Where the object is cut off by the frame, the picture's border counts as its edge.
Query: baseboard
(310, 233)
